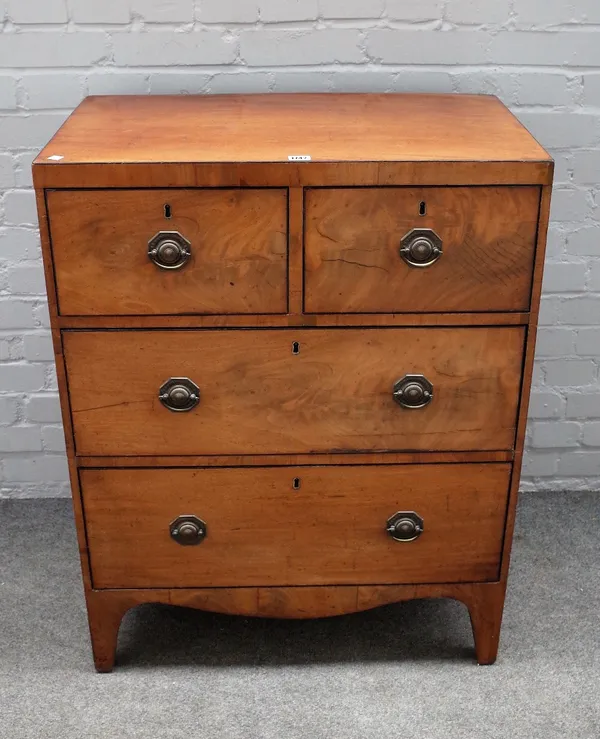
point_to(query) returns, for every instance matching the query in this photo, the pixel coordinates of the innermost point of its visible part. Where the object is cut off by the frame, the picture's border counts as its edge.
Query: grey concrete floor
(405, 670)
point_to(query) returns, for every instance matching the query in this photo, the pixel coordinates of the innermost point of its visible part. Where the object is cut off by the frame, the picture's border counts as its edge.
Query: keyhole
(295, 347)
(167, 210)
(296, 483)
(422, 208)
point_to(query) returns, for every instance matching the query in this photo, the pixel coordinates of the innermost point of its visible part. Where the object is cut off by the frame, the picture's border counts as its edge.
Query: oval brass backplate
(405, 526)
(413, 391)
(179, 394)
(169, 250)
(420, 247)
(188, 530)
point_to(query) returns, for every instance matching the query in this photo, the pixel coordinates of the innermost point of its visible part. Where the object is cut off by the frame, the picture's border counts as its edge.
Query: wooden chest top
(107, 131)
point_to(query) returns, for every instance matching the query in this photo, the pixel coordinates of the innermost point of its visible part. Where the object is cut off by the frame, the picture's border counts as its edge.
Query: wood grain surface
(236, 140)
(323, 320)
(269, 128)
(528, 365)
(257, 397)
(353, 237)
(269, 460)
(238, 244)
(291, 174)
(106, 608)
(262, 531)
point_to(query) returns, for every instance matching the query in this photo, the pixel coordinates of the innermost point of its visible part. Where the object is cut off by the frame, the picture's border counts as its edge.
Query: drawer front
(259, 530)
(484, 236)
(256, 396)
(102, 239)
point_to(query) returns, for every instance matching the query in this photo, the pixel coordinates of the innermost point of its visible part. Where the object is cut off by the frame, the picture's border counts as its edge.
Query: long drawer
(293, 391)
(419, 250)
(294, 525)
(150, 252)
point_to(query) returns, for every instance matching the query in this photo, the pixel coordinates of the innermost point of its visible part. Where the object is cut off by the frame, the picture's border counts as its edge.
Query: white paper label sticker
(299, 158)
(55, 158)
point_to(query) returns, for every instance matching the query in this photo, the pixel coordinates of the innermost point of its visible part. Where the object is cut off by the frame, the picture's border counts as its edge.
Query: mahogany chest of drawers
(294, 337)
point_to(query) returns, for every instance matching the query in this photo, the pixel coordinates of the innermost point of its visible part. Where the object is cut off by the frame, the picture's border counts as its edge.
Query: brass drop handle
(169, 250)
(413, 391)
(179, 394)
(188, 530)
(420, 247)
(405, 526)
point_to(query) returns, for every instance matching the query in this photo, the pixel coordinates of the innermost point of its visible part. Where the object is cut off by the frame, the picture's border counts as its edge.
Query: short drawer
(140, 252)
(293, 391)
(419, 250)
(252, 527)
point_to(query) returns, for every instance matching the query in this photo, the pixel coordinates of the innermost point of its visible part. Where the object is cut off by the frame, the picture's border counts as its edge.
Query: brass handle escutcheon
(179, 394)
(188, 530)
(413, 391)
(405, 526)
(421, 247)
(169, 250)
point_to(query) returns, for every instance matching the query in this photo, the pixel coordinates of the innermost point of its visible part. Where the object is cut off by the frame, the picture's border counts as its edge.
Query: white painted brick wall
(541, 57)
